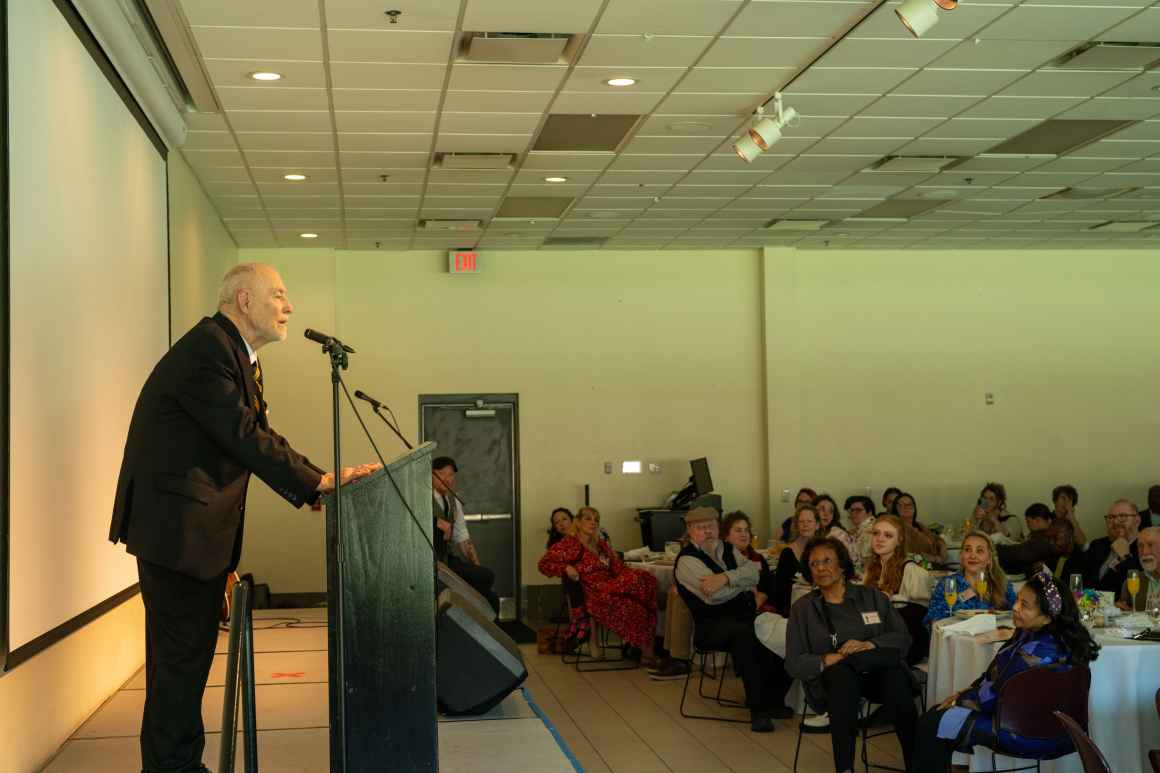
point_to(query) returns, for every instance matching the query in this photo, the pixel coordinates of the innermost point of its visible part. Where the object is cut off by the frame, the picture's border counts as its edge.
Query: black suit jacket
(1097, 552)
(198, 431)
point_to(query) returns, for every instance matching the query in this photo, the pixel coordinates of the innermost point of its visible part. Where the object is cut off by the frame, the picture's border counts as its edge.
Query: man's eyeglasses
(1119, 517)
(856, 509)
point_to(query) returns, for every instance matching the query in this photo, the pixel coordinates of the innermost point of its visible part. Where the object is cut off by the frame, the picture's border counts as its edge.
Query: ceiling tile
(384, 141)
(628, 161)
(566, 161)
(740, 79)
(1144, 84)
(1066, 22)
(643, 50)
(489, 123)
(236, 72)
(884, 23)
(763, 52)
(840, 146)
(798, 19)
(233, 174)
(981, 128)
(672, 145)
(1065, 83)
(482, 143)
(1028, 55)
(252, 13)
(919, 106)
(258, 43)
(851, 80)
(888, 52)
(607, 103)
(373, 75)
(352, 174)
(826, 104)
(280, 120)
(265, 98)
(209, 141)
(383, 121)
(519, 16)
(401, 160)
(286, 140)
(1125, 109)
(666, 17)
(711, 103)
(944, 147)
(941, 82)
(694, 125)
(659, 79)
(489, 176)
(1023, 107)
(416, 14)
(892, 126)
(1143, 26)
(389, 45)
(505, 77)
(386, 99)
(206, 158)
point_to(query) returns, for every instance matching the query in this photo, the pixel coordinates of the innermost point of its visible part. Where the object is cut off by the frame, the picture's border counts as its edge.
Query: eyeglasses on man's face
(1119, 517)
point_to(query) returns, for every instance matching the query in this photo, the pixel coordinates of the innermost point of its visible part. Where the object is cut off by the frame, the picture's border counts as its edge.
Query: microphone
(364, 396)
(325, 340)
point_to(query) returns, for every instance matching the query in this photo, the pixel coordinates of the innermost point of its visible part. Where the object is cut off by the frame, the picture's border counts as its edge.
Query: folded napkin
(636, 554)
(971, 626)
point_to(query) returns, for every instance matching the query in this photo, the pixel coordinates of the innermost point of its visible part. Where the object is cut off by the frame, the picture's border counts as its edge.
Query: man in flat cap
(716, 582)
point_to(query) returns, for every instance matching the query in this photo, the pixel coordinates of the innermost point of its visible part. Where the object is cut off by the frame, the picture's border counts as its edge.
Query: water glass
(1075, 583)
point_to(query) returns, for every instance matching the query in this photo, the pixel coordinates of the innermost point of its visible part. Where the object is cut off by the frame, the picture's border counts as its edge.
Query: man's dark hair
(1039, 510)
(439, 462)
(839, 549)
(866, 502)
(1068, 489)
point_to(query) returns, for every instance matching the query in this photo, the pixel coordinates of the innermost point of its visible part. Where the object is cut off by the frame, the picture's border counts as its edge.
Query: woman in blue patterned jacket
(1048, 633)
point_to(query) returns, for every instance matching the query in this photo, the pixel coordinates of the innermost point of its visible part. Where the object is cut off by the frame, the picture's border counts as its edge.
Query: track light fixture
(765, 131)
(918, 16)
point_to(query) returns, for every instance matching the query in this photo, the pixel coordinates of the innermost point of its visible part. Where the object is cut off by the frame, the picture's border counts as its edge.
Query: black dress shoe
(761, 723)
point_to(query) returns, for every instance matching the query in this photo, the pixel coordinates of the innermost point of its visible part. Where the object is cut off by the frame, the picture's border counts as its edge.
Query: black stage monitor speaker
(445, 579)
(477, 664)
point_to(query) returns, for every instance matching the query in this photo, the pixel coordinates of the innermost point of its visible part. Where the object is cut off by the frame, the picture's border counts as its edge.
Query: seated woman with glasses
(618, 597)
(847, 642)
(1048, 633)
(979, 584)
(918, 538)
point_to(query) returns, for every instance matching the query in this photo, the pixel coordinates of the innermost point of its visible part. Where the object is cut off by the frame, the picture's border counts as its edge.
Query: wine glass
(1133, 585)
(1075, 583)
(950, 594)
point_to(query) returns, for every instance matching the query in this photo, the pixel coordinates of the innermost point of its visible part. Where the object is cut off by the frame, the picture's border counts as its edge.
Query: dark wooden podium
(381, 598)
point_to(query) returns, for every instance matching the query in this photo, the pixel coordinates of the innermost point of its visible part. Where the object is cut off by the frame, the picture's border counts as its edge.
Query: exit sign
(463, 262)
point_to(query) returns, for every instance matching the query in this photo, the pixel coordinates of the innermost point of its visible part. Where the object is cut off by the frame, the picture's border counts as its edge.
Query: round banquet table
(1122, 716)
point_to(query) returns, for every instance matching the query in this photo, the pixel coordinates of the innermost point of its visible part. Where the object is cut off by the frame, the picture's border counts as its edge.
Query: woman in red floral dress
(619, 598)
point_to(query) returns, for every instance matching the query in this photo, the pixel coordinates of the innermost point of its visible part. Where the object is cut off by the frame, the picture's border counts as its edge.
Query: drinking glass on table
(1133, 585)
(950, 593)
(980, 586)
(1075, 584)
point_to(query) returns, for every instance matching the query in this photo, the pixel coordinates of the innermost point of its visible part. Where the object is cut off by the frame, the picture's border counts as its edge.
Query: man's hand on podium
(349, 474)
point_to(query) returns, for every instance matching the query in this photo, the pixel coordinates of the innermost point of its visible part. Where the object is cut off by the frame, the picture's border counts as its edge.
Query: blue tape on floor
(552, 729)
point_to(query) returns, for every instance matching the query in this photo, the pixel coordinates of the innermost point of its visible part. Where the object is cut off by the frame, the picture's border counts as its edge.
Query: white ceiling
(362, 98)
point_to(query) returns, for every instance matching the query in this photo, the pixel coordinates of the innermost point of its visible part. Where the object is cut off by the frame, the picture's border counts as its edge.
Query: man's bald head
(253, 297)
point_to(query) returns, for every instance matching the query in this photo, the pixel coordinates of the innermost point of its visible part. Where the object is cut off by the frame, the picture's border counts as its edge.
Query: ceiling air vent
(1057, 137)
(518, 47)
(449, 225)
(475, 161)
(930, 164)
(796, 225)
(1108, 55)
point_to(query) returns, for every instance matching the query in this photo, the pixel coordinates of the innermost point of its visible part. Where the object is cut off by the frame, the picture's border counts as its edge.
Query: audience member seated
(847, 642)
(903, 581)
(1048, 634)
(559, 527)
(716, 582)
(805, 496)
(831, 526)
(1110, 558)
(619, 598)
(1069, 557)
(862, 517)
(453, 541)
(1151, 516)
(919, 539)
(1148, 594)
(991, 516)
(1039, 547)
(888, 496)
(1065, 498)
(979, 584)
(789, 564)
(738, 530)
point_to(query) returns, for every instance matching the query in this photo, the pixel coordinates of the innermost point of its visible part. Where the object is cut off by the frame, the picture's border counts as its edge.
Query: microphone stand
(407, 443)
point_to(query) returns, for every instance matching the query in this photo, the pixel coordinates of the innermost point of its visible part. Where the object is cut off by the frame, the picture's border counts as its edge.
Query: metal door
(481, 433)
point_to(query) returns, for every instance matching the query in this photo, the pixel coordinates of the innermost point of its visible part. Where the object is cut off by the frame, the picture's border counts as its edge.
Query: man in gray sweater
(716, 582)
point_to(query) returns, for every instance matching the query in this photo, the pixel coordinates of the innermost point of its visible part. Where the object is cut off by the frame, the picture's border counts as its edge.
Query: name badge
(967, 595)
(871, 618)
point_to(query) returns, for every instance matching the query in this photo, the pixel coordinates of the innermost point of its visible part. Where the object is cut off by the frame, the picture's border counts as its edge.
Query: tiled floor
(611, 721)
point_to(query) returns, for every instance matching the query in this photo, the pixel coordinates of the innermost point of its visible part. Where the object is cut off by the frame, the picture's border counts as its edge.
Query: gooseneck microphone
(325, 340)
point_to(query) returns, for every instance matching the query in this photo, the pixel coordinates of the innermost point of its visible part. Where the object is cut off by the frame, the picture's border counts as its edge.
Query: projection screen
(89, 279)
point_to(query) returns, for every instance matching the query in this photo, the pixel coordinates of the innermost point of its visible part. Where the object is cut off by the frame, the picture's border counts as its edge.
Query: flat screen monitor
(701, 478)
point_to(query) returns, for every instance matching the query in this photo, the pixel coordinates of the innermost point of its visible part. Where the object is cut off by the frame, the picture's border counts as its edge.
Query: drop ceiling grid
(723, 53)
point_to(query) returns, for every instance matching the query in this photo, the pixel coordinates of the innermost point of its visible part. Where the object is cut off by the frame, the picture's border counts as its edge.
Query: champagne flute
(1075, 583)
(1133, 585)
(950, 593)
(981, 586)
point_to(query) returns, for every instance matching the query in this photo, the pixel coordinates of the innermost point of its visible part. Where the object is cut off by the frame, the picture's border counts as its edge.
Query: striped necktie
(259, 399)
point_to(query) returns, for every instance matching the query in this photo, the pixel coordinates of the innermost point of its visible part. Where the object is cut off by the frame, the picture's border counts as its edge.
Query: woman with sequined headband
(1048, 633)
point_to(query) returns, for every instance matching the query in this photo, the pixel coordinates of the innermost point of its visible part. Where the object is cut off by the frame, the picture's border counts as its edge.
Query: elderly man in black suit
(199, 430)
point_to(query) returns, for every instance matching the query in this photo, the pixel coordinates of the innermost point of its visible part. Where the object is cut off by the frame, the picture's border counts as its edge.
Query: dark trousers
(931, 752)
(479, 577)
(845, 688)
(181, 628)
(762, 671)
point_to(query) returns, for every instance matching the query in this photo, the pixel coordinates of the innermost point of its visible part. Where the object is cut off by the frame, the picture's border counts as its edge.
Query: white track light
(919, 16)
(768, 130)
(746, 148)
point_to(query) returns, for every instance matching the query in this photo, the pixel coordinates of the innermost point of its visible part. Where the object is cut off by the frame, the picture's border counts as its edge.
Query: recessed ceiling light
(621, 81)
(266, 76)
(294, 177)
(555, 179)
(309, 236)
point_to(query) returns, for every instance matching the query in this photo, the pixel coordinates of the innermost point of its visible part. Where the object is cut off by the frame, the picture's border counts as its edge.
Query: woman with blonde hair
(980, 583)
(618, 597)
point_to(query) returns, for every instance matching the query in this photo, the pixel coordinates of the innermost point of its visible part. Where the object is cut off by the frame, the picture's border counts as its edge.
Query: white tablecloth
(1121, 710)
